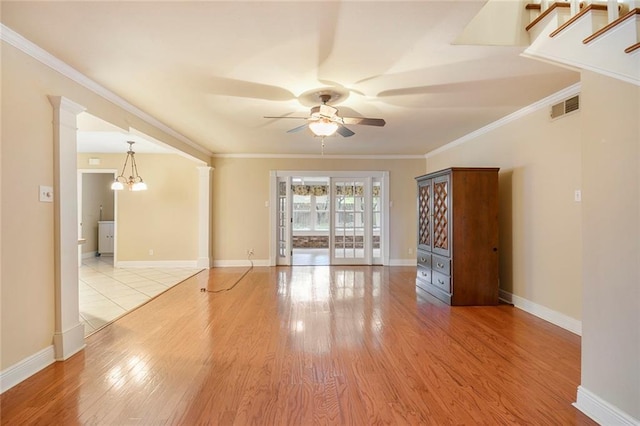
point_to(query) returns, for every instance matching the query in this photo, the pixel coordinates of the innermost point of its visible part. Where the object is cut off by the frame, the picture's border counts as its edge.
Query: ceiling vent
(565, 107)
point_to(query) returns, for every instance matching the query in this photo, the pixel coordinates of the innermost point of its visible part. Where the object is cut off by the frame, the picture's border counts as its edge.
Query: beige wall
(96, 196)
(27, 225)
(540, 240)
(165, 217)
(241, 188)
(27, 264)
(611, 232)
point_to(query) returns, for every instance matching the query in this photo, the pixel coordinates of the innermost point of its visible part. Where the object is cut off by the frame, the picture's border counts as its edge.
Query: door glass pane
(302, 219)
(322, 213)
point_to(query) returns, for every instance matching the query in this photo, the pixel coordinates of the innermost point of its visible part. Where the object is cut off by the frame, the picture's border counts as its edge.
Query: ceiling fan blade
(343, 131)
(366, 121)
(298, 129)
(247, 89)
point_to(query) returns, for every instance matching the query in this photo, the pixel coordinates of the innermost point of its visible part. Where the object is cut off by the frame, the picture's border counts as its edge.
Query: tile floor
(106, 292)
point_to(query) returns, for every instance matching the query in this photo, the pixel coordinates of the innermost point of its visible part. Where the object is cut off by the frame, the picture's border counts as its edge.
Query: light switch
(577, 195)
(46, 194)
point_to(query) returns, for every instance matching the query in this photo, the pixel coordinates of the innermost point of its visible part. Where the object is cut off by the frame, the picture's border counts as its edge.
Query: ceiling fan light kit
(325, 121)
(323, 127)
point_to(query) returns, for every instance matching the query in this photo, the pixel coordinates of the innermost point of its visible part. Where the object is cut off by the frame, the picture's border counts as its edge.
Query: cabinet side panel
(475, 237)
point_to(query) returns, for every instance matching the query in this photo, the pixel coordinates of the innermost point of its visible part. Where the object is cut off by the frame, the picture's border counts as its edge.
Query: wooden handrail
(533, 6)
(545, 13)
(577, 16)
(612, 24)
(632, 48)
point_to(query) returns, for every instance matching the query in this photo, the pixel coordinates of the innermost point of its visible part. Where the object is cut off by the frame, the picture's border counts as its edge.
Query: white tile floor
(106, 292)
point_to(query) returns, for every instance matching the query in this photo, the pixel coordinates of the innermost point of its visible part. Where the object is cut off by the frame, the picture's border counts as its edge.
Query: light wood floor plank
(309, 345)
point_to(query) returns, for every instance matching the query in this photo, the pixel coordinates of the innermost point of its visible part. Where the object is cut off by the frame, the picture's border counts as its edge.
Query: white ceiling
(212, 70)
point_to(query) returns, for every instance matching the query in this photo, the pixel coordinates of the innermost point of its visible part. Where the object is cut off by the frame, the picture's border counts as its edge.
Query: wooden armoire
(458, 235)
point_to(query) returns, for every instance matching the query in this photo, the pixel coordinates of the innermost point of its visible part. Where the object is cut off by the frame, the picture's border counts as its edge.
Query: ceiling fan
(325, 121)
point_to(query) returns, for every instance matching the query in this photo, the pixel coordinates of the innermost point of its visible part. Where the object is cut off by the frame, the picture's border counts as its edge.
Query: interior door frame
(383, 176)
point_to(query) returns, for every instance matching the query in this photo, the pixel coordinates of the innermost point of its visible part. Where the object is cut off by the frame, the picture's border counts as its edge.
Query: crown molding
(326, 157)
(21, 43)
(549, 100)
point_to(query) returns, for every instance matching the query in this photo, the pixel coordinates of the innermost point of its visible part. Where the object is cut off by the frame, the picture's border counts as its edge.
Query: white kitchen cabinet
(105, 236)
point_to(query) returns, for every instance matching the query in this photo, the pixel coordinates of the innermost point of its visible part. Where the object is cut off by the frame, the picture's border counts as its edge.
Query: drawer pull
(440, 265)
(440, 281)
(424, 274)
(422, 259)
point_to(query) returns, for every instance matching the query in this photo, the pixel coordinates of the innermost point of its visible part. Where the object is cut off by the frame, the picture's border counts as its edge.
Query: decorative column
(68, 337)
(204, 216)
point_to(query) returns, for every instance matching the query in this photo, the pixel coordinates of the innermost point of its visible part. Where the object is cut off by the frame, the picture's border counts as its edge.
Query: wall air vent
(565, 107)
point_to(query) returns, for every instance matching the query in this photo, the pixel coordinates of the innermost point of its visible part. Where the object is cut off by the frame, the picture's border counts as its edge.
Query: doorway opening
(310, 220)
(329, 218)
(96, 214)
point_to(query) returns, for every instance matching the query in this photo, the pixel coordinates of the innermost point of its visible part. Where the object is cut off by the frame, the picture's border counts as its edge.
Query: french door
(358, 217)
(283, 221)
(350, 233)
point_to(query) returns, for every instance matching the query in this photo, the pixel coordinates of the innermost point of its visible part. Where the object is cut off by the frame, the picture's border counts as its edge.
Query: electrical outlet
(410, 251)
(150, 252)
(250, 252)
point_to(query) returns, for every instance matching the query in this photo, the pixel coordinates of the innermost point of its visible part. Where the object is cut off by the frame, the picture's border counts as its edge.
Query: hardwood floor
(310, 345)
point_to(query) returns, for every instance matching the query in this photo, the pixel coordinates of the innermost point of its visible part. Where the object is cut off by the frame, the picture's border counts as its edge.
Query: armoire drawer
(424, 259)
(441, 264)
(424, 274)
(443, 282)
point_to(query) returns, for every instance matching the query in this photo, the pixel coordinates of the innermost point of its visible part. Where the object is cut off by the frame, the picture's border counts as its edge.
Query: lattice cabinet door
(424, 214)
(441, 210)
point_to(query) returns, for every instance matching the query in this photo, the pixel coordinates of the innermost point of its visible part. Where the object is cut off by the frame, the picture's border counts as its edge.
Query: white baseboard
(243, 262)
(203, 262)
(554, 317)
(26, 368)
(69, 342)
(156, 264)
(403, 262)
(601, 411)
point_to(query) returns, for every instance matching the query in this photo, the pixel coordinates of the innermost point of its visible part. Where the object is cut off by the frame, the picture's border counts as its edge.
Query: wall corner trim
(26, 368)
(549, 100)
(554, 317)
(601, 411)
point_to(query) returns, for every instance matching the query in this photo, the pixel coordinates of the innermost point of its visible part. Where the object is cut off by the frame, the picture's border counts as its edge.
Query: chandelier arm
(124, 168)
(134, 169)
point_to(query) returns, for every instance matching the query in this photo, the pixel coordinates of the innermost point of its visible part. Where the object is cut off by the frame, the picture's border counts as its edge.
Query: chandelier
(134, 181)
